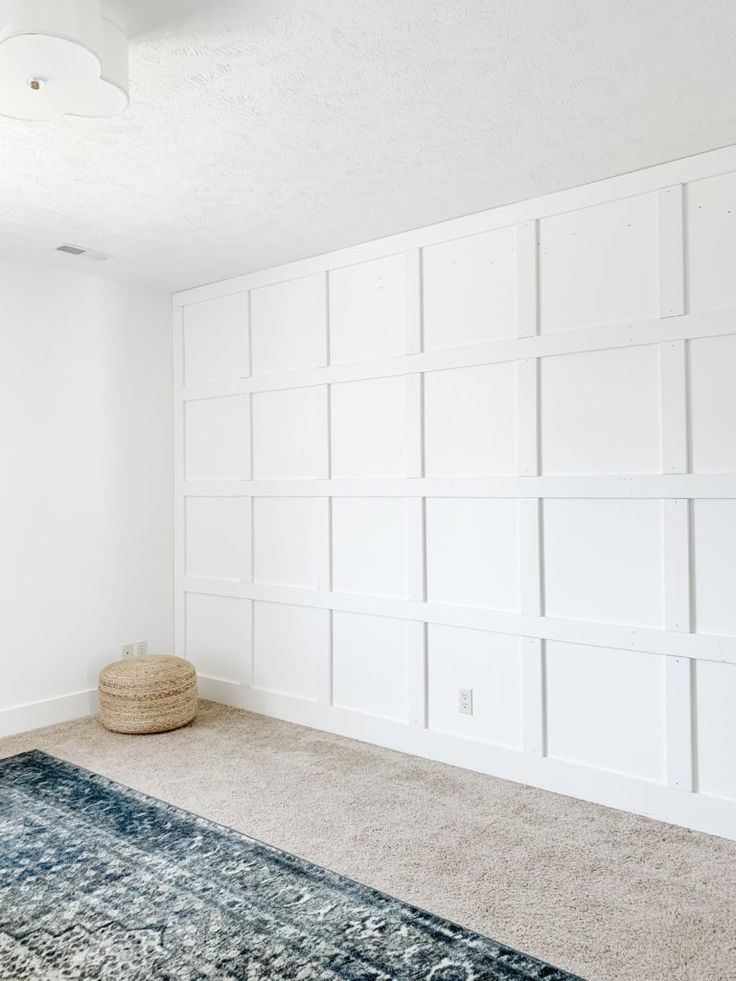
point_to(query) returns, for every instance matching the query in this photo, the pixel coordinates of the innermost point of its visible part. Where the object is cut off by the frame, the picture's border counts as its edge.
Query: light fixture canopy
(61, 57)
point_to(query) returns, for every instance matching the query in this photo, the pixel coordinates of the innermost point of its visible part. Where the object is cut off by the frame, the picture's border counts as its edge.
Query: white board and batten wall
(497, 453)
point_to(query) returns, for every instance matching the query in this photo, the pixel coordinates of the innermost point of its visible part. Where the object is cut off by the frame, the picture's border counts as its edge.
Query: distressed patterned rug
(99, 881)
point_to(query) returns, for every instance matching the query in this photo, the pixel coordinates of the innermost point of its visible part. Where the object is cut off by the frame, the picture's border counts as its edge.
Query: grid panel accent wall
(494, 454)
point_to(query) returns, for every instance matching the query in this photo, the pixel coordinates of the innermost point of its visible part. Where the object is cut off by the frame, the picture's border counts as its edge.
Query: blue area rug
(100, 881)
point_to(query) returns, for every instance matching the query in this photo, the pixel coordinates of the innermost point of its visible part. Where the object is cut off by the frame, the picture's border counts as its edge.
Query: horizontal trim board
(609, 337)
(646, 640)
(47, 712)
(712, 815)
(650, 179)
(649, 486)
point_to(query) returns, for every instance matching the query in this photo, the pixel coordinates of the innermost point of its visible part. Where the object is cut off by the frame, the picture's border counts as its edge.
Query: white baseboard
(35, 715)
(700, 812)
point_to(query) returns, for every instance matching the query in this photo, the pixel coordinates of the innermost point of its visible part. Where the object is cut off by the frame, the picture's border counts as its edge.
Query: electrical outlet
(140, 648)
(465, 701)
(128, 650)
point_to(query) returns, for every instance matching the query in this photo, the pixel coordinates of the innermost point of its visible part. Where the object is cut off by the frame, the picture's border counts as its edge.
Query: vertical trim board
(530, 556)
(679, 722)
(322, 340)
(676, 531)
(675, 438)
(326, 682)
(527, 279)
(533, 695)
(678, 670)
(671, 251)
(415, 425)
(528, 418)
(324, 544)
(416, 546)
(413, 302)
(323, 433)
(418, 676)
(248, 337)
(677, 572)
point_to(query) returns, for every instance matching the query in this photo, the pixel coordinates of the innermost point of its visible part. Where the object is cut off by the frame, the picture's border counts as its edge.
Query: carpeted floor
(601, 893)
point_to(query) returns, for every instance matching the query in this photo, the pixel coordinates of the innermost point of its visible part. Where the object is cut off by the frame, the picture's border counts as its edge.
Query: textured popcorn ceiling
(267, 130)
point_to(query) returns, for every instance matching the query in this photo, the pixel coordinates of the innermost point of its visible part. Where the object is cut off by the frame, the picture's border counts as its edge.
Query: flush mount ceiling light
(61, 57)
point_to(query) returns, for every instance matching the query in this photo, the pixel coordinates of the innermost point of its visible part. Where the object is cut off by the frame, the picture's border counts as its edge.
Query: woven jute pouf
(152, 693)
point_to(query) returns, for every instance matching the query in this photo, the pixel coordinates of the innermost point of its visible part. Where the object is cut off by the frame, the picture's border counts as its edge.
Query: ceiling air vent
(78, 250)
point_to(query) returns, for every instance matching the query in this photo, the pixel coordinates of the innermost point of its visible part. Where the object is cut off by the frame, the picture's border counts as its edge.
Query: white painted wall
(85, 496)
(498, 454)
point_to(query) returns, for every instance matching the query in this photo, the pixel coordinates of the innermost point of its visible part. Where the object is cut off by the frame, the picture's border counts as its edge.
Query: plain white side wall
(85, 498)
(499, 454)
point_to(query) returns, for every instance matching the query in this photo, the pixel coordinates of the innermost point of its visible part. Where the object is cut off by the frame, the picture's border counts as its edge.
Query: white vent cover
(78, 250)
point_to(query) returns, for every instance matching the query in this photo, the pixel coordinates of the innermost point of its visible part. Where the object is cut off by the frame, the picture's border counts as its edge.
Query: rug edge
(282, 851)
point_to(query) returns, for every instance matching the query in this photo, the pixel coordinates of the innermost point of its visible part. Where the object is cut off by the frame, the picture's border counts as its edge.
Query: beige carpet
(602, 893)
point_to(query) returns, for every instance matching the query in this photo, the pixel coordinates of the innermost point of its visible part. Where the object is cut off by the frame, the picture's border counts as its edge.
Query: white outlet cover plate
(465, 701)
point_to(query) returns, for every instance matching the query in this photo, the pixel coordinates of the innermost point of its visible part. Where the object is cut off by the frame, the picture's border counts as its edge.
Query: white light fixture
(61, 57)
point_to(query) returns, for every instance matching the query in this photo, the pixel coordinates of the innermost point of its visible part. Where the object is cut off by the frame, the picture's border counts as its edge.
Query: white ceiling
(267, 130)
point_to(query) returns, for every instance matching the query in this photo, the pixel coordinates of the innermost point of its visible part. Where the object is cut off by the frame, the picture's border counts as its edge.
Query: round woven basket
(152, 693)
